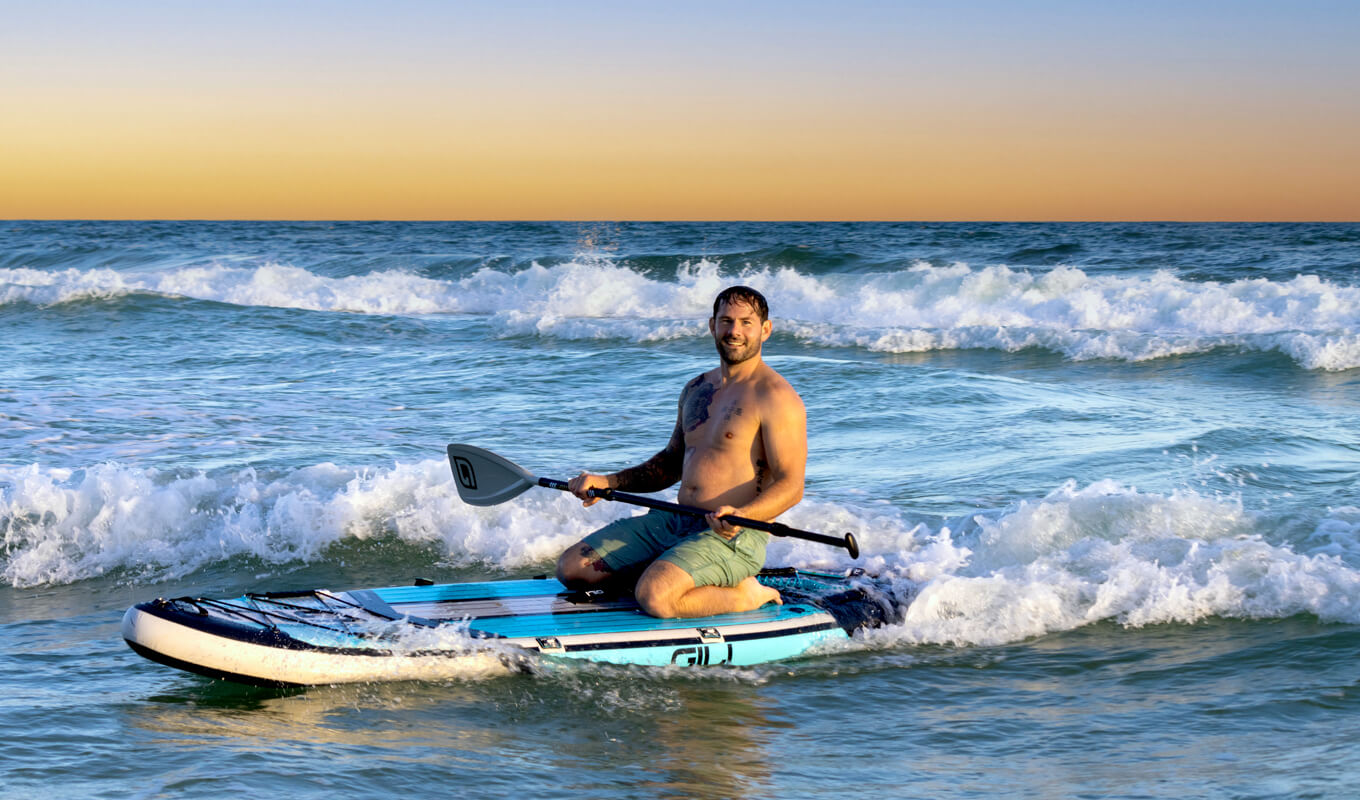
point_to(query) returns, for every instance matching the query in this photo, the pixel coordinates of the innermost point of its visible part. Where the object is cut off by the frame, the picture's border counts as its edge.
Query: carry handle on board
(486, 479)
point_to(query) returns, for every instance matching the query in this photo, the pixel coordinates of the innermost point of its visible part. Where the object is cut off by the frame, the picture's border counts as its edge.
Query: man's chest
(720, 418)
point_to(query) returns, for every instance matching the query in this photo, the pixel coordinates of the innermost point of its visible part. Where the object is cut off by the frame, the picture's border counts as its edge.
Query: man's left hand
(720, 526)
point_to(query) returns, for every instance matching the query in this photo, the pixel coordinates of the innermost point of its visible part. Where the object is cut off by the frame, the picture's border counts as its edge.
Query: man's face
(738, 332)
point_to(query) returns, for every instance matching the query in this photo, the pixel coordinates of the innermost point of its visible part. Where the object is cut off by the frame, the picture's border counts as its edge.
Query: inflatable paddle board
(432, 632)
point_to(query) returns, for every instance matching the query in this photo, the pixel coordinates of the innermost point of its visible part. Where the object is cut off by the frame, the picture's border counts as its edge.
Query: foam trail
(923, 308)
(1107, 552)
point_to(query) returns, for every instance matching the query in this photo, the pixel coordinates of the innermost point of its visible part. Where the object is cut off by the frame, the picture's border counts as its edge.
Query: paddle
(486, 479)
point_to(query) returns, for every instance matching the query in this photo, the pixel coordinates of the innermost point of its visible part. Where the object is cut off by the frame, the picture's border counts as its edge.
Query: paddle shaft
(776, 528)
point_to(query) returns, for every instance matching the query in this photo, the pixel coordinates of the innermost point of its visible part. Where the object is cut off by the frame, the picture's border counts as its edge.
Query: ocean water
(1118, 465)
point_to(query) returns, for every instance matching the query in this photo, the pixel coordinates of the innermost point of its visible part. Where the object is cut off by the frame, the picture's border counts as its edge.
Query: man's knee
(581, 566)
(660, 587)
(657, 602)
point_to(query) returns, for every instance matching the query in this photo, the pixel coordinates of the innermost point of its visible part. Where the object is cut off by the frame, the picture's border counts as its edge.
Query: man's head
(742, 294)
(740, 324)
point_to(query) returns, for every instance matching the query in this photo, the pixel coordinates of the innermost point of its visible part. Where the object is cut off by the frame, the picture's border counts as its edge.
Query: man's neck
(739, 372)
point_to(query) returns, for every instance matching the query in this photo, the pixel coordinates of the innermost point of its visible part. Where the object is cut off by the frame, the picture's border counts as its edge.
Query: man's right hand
(583, 483)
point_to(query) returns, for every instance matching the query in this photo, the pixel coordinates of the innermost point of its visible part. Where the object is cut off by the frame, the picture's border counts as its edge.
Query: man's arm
(656, 473)
(653, 475)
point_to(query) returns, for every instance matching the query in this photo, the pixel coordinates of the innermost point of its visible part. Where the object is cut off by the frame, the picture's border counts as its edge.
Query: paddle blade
(484, 478)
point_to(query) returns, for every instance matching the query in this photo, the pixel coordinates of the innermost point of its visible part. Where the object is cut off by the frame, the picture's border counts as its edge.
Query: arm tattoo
(657, 472)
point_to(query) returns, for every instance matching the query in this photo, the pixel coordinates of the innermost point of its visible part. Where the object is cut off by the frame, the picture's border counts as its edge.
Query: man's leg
(619, 550)
(581, 566)
(667, 591)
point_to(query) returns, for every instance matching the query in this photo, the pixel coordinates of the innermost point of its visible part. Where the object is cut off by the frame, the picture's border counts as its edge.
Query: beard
(733, 353)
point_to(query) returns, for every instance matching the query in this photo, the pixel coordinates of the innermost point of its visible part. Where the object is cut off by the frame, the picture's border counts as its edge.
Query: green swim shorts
(628, 545)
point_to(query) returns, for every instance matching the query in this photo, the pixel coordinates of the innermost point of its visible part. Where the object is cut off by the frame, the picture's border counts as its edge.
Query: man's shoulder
(774, 380)
(778, 389)
(697, 380)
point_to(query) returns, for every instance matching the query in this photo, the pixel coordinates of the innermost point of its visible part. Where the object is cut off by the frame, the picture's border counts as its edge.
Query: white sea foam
(1107, 552)
(61, 526)
(456, 652)
(924, 308)
(1075, 557)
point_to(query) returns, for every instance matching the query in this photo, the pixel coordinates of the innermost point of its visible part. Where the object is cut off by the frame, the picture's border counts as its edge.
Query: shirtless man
(739, 448)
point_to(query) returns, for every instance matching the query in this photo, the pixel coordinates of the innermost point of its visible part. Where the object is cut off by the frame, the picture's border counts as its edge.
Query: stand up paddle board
(431, 632)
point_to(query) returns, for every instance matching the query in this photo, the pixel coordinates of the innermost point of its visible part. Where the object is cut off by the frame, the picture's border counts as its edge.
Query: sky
(589, 110)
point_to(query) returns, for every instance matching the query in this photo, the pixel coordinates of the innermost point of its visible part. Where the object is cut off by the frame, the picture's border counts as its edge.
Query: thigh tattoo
(596, 563)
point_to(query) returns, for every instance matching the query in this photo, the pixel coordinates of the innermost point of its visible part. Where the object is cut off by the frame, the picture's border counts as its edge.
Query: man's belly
(707, 483)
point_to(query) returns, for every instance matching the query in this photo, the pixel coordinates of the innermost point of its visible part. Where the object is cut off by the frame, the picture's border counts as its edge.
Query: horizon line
(598, 220)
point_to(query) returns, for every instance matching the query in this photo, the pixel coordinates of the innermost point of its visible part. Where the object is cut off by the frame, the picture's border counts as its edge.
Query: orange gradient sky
(519, 110)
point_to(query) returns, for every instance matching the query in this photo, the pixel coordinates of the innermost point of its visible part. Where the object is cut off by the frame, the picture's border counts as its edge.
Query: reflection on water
(711, 744)
(350, 715)
(576, 727)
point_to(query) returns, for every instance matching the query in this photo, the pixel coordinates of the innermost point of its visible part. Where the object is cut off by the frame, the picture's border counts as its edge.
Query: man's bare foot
(758, 594)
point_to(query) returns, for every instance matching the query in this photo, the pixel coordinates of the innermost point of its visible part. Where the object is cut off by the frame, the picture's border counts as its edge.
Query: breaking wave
(921, 308)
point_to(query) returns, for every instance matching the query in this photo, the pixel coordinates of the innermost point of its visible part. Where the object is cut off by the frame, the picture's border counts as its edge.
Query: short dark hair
(743, 294)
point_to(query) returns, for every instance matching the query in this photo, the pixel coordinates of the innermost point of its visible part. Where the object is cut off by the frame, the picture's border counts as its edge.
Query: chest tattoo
(698, 397)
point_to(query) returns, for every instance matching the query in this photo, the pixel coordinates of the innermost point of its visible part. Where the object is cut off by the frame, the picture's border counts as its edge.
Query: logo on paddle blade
(466, 476)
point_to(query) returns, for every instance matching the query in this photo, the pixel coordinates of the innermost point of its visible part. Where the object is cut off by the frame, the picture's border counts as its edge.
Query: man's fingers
(582, 484)
(577, 485)
(721, 526)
